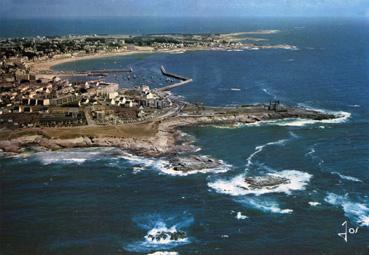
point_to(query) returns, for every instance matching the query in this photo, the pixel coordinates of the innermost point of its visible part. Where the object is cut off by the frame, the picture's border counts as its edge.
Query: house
(119, 101)
(104, 89)
(128, 103)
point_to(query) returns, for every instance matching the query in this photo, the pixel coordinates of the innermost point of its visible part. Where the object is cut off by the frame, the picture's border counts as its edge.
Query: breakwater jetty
(172, 75)
(183, 80)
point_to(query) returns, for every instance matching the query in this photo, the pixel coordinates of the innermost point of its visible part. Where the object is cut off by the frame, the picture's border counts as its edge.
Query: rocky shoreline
(162, 141)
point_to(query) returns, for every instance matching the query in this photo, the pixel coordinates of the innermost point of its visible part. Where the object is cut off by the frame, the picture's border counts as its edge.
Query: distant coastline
(45, 66)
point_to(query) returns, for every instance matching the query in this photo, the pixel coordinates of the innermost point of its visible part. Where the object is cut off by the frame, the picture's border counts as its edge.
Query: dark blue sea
(105, 201)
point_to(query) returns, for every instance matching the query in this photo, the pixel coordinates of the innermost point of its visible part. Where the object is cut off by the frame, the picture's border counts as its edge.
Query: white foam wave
(341, 117)
(165, 167)
(237, 186)
(71, 156)
(159, 230)
(186, 136)
(240, 216)
(235, 50)
(162, 228)
(356, 211)
(164, 253)
(235, 89)
(310, 152)
(354, 105)
(223, 167)
(226, 126)
(347, 177)
(313, 203)
(144, 162)
(269, 93)
(264, 205)
(260, 148)
(297, 122)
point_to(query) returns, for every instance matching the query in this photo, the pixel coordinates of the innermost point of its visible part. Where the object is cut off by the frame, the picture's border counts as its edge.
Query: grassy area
(119, 131)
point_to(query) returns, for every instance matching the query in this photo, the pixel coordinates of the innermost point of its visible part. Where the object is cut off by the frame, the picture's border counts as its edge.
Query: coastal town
(41, 106)
(57, 102)
(184, 127)
(40, 98)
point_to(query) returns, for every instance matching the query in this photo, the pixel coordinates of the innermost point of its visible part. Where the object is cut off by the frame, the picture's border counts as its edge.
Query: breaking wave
(314, 203)
(266, 91)
(260, 148)
(164, 166)
(347, 177)
(72, 156)
(222, 168)
(354, 105)
(264, 205)
(240, 216)
(162, 233)
(311, 152)
(237, 186)
(164, 253)
(356, 211)
(114, 156)
(186, 136)
(142, 163)
(341, 117)
(296, 122)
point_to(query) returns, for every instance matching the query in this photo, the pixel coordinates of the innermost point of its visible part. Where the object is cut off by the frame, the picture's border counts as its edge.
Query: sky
(183, 8)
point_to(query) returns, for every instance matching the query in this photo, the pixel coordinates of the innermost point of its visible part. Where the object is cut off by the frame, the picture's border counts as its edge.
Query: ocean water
(103, 201)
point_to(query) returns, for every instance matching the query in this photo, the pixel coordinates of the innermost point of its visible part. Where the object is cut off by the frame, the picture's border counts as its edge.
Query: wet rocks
(193, 163)
(158, 138)
(268, 181)
(161, 236)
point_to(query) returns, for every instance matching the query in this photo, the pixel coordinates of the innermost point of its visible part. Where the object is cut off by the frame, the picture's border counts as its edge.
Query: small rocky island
(265, 182)
(165, 236)
(193, 163)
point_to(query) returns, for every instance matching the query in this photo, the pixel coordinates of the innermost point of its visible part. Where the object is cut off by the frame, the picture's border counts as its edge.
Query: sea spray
(355, 210)
(260, 148)
(237, 186)
(163, 232)
(262, 204)
(73, 156)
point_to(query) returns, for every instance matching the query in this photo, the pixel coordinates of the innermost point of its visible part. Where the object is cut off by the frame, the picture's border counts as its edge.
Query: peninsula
(40, 110)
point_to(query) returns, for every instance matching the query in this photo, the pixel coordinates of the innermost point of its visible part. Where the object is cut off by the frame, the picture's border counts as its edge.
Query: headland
(41, 111)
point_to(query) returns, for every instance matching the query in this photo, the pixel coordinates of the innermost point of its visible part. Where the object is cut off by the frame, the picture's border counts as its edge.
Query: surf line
(260, 148)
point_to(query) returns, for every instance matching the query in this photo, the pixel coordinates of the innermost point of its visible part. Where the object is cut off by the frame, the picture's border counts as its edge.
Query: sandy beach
(46, 65)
